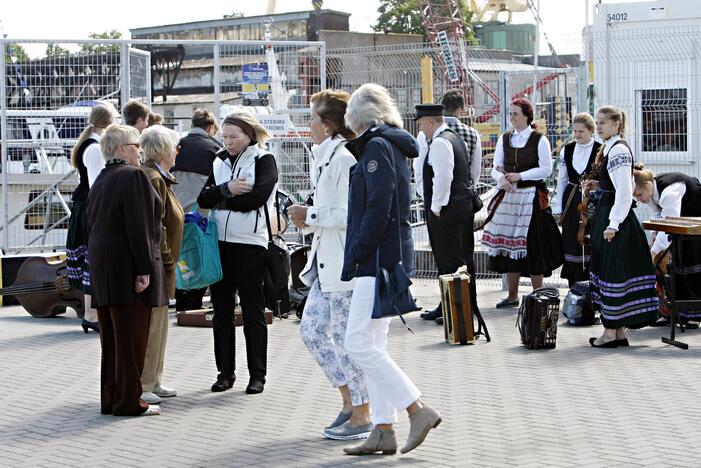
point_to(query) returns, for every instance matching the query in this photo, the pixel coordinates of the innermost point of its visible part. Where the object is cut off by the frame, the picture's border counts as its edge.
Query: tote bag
(199, 264)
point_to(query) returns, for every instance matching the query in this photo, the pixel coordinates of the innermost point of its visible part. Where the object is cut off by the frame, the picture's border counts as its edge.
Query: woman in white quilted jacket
(323, 325)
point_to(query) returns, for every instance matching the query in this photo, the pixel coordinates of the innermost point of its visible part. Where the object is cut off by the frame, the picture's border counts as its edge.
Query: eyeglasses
(138, 145)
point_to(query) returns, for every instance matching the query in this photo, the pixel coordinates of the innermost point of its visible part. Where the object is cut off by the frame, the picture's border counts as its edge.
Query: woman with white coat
(323, 325)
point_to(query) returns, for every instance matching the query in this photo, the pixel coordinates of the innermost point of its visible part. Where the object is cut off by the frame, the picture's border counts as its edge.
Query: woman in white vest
(243, 181)
(323, 325)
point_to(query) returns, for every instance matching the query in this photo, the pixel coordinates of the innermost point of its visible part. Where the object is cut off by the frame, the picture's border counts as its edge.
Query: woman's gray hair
(114, 136)
(158, 141)
(371, 105)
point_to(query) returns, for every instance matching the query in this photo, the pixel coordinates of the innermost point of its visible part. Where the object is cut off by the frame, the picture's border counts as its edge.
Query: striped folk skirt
(77, 248)
(622, 275)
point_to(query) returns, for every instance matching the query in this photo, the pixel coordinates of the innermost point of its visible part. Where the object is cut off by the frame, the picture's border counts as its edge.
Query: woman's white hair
(114, 136)
(158, 142)
(371, 105)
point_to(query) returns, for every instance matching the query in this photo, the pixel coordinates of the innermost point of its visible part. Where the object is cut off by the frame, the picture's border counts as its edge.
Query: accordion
(537, 318)
(458, 326)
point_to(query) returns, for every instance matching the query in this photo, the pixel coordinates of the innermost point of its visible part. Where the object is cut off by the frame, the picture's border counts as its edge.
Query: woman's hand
(505, 184)
(141, 283)
(298, 215)
(609, 234)
(239, 186)
(590, 186)
(513, 176)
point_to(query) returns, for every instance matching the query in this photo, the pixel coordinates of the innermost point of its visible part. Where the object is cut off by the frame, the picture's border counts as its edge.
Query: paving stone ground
(502, 405)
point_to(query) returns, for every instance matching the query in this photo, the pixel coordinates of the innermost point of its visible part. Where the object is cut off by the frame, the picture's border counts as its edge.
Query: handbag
(277, 268)
(392, 294)
(199, 264)
(477, 203)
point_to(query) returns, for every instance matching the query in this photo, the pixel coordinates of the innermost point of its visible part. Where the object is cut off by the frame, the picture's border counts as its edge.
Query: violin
(43, 289)
(584, 209)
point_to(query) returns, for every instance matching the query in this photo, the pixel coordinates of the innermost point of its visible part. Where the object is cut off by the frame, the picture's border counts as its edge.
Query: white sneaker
(152, 411)
(165, 392)
(151, 398)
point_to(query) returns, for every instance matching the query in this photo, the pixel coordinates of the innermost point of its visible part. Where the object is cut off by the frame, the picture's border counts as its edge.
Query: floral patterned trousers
(323, 329)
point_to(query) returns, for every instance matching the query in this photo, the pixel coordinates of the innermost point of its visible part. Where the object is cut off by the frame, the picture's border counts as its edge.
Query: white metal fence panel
(45, 103)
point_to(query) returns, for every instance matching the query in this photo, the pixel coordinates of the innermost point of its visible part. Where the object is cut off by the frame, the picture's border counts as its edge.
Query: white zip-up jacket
(241, 218)
(327, 219)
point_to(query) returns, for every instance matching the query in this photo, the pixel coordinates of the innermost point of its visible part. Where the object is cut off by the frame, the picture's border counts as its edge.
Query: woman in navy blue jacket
(381, 174)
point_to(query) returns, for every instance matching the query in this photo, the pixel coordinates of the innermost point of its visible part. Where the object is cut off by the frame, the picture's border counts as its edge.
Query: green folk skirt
(621, 274)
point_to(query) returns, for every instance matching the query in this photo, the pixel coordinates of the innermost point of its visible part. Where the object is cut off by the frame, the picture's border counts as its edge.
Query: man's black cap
(428, 110)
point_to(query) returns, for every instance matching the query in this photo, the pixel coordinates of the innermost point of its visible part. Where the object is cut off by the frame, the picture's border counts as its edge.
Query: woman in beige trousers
(160, 147)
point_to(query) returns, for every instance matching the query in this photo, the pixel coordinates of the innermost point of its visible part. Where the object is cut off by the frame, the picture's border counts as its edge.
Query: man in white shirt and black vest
(444, 176)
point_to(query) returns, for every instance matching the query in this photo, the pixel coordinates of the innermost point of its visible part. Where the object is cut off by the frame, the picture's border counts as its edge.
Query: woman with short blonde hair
(124, 213)
(371, 106)
(160, 148)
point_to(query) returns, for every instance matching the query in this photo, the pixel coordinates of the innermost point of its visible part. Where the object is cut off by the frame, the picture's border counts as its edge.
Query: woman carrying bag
(240, 188)
(379, 237)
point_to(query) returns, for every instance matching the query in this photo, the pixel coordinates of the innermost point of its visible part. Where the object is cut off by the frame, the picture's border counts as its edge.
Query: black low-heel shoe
(86, 324)
(623, 342)
(608, 344)
(255, 386)
(222, 385)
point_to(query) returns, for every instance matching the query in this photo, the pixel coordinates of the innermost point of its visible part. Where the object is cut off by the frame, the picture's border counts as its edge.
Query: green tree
(17, 51)
(102, 48)
(404, 16)
(53, 50)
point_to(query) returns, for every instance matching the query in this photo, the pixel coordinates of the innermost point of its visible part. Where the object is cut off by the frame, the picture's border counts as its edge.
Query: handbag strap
(267, 216)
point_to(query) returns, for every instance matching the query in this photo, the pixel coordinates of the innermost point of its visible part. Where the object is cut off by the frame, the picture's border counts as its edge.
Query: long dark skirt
(544, 251)
(78, 271)
(577, 257)
(622, 274)
(688, 281)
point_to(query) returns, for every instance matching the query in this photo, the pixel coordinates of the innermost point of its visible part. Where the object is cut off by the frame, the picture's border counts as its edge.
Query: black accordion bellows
(537, 318)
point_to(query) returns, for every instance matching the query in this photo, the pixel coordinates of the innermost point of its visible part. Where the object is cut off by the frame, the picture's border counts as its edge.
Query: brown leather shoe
(421, 422)
(379, 440)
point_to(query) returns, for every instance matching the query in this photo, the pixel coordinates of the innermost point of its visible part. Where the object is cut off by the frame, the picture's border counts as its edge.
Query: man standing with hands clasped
(444, 173)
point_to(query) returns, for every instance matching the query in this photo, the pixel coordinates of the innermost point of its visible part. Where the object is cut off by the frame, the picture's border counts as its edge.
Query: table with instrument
(679, 229)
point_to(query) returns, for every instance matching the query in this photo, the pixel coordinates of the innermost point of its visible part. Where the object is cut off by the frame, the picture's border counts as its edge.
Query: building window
(664, 120)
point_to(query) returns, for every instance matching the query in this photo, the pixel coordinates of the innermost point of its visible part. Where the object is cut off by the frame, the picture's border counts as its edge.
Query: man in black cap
(444, 180)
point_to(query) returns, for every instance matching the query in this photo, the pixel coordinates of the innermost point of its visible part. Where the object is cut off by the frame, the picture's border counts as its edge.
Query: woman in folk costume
(522, 237)
(574, 164)
(621, 273)
(674, 194)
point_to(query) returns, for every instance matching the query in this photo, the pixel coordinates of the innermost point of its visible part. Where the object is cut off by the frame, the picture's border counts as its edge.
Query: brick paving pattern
(502, 405)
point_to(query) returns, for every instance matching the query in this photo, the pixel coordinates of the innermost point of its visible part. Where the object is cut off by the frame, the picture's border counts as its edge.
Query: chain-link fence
(653, 74)
(45, 103)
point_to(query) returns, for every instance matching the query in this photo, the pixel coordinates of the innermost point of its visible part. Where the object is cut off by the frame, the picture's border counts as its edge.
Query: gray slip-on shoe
(347, 432)
(340, 419)
(422, 422)
(379, 440)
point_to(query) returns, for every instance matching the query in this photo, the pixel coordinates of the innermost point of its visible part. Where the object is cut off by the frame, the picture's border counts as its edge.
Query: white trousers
(366, 342)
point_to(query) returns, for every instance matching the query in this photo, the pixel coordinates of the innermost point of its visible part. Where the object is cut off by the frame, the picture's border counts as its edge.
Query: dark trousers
(243, 268)
(453, 242)
(124, 335)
